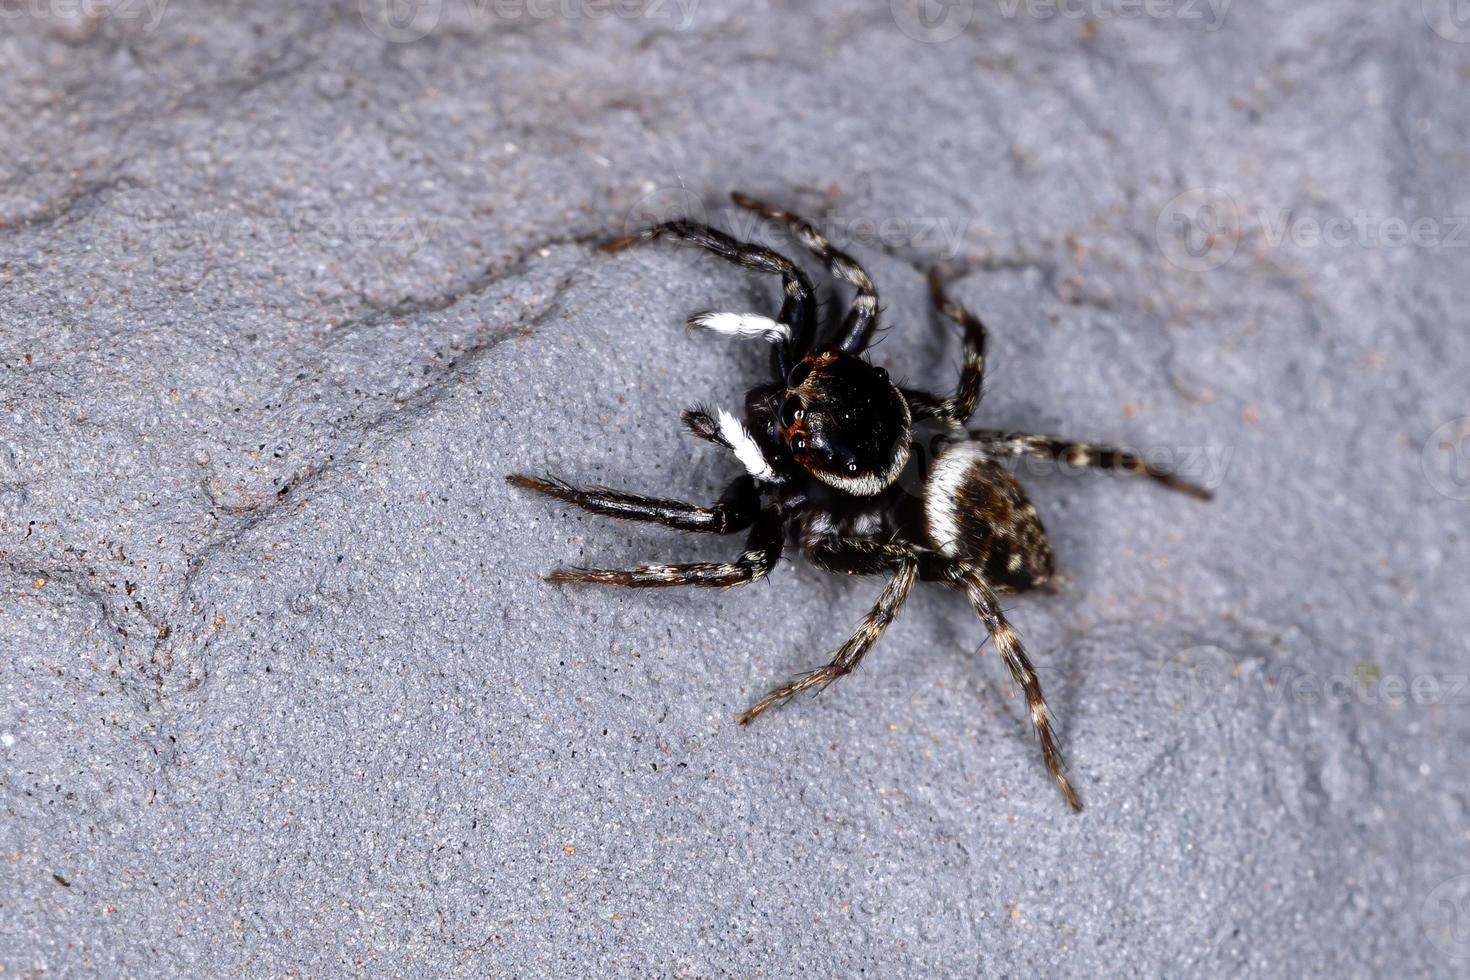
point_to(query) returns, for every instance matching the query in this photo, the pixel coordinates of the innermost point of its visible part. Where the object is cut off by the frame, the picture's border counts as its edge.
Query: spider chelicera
(831, 456)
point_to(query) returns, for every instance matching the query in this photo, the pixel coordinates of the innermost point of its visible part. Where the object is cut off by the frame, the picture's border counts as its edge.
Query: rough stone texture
(283, 300)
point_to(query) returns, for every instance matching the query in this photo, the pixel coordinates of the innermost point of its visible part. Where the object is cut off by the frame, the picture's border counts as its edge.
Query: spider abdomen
(976, 512)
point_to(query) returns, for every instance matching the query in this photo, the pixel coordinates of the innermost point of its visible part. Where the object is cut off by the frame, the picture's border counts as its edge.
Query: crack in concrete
(410, 406)
(138, 656)
(380, 314)
(392, 420)
(60, 208)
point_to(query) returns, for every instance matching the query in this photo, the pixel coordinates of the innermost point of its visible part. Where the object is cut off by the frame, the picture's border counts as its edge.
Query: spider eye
(798, 374)
(882, 374)
(791, 412)
(852, 467)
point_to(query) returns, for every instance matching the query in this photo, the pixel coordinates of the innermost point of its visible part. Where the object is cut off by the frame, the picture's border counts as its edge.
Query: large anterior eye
(798, 374)
(791, 412)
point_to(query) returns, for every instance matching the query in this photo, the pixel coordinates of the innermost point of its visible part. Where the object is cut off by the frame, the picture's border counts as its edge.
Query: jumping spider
(825, 445)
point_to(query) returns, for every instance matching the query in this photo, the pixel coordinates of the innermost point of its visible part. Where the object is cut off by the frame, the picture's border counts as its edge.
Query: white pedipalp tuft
(742, 325)
(740, 441)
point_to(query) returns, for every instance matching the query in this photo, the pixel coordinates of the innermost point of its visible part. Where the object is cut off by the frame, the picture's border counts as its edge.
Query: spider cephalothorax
(845, 422)
(823, 444)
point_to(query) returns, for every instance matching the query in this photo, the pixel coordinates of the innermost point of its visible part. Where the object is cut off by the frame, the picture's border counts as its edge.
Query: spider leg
(862, 317)
(852, 652)
(736, 510)
(1083, 454)
(701, 423)
(856, 556)
(762, 549)
(1008, 645)
(798, 306)
(957, 409)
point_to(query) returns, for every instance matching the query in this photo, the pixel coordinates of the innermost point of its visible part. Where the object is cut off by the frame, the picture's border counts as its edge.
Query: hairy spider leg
(955, 410)
(798, 305)
(736, 509)
(1008, 645)
(860, 556)
(762, 550)
(862, 317)
(857, 556)
(1075, 453)
(869, 630)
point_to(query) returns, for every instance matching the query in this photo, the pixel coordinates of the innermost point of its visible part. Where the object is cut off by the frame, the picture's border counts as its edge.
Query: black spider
(831, 456)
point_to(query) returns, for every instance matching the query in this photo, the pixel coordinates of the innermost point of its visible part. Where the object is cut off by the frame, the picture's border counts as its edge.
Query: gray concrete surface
(286, 289)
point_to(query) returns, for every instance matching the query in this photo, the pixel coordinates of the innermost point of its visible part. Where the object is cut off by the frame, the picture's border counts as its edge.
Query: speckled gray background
(286, 289)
